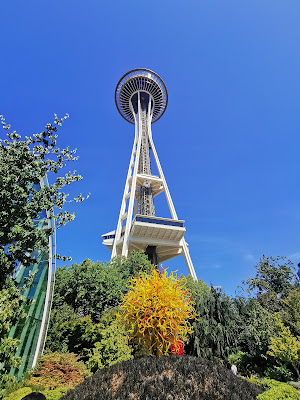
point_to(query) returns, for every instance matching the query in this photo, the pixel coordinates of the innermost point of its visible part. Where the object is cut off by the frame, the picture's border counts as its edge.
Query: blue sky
(228, 141)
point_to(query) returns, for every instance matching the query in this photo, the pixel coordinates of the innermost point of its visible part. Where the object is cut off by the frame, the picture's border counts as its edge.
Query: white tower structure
(141, 98)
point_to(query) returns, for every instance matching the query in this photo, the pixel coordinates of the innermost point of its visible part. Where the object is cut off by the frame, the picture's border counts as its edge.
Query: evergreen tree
(215, 333)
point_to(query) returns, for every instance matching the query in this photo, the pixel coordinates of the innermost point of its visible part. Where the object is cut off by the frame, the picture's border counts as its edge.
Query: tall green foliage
(255, 327)
(291, 313)
(271, 291)
(215, 333)
(10, 311)
(112, 344)
(22, 165)
(285, 347)
(102, 344)
(83, 295)
(91, 288)
(273, 275)
(68, 332)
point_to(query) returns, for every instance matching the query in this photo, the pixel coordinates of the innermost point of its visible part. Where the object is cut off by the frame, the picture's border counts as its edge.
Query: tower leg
(133, 186)
(124, 199)
(185, 249)
(188, 260)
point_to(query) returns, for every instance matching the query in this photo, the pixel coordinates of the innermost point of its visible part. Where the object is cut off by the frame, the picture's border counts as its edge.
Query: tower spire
(141, 98)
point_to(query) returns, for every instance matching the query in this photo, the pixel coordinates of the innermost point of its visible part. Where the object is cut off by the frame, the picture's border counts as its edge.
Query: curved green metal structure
(32, 331)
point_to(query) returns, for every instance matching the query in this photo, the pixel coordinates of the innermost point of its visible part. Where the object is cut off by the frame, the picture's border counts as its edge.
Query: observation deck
(141, 80)
(164, 233)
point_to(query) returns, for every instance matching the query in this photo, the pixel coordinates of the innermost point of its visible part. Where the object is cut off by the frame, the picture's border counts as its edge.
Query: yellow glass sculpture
(156, 310)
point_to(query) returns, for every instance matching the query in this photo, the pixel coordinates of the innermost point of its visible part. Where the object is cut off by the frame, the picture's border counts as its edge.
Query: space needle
(141, 98)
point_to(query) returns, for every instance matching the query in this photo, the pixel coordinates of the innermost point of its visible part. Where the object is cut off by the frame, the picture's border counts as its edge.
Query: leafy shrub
(277, 390)
(112, 344)
(171, 377)
(55, 370)
(280, 392)
(55, 394)
(282, 373)
(236, 358)
(19, 394)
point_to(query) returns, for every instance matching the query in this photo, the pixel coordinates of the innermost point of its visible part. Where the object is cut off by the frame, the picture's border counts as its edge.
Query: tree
(11, 310)
(256, 326)
(111, 344)
(274, 276)
(22, 165)
(92, 288)
(285, 348)
(216, 330)
(291, 314)
(100, 345)
(68, 332)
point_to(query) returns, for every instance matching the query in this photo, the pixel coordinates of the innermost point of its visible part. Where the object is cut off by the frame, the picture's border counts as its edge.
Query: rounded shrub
(274, 390)
(278, 391)
(55, 394)
(19, 394)
(173, 377)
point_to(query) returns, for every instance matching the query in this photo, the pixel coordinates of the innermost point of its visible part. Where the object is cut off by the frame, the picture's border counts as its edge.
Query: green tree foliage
(291, 314)
(101, 344)
(215, 334)
(272, 291)
(285, 348)
(68, 332)
(112, 343)
(236, 358)
(22, 165)
(255, 327)
(93, 288)
(274, 276)
(10, 311)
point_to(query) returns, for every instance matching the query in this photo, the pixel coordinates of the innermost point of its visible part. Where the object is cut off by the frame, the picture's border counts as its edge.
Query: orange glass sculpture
(156, 310)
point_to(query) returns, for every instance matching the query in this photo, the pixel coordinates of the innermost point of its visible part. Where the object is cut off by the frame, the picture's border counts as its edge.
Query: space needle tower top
(141, 98)
(144, 81)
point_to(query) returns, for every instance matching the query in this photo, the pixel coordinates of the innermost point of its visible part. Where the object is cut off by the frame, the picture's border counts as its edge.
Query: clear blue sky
(228, 141)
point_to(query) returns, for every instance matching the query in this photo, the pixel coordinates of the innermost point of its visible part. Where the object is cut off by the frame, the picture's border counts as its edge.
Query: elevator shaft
(146, 191)
(142, 105)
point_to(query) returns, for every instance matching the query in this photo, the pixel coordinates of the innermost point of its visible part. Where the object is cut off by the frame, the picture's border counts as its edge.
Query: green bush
(19, 394)
(55, 394)
(280, 392)
(282, 373)
(277, 390)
